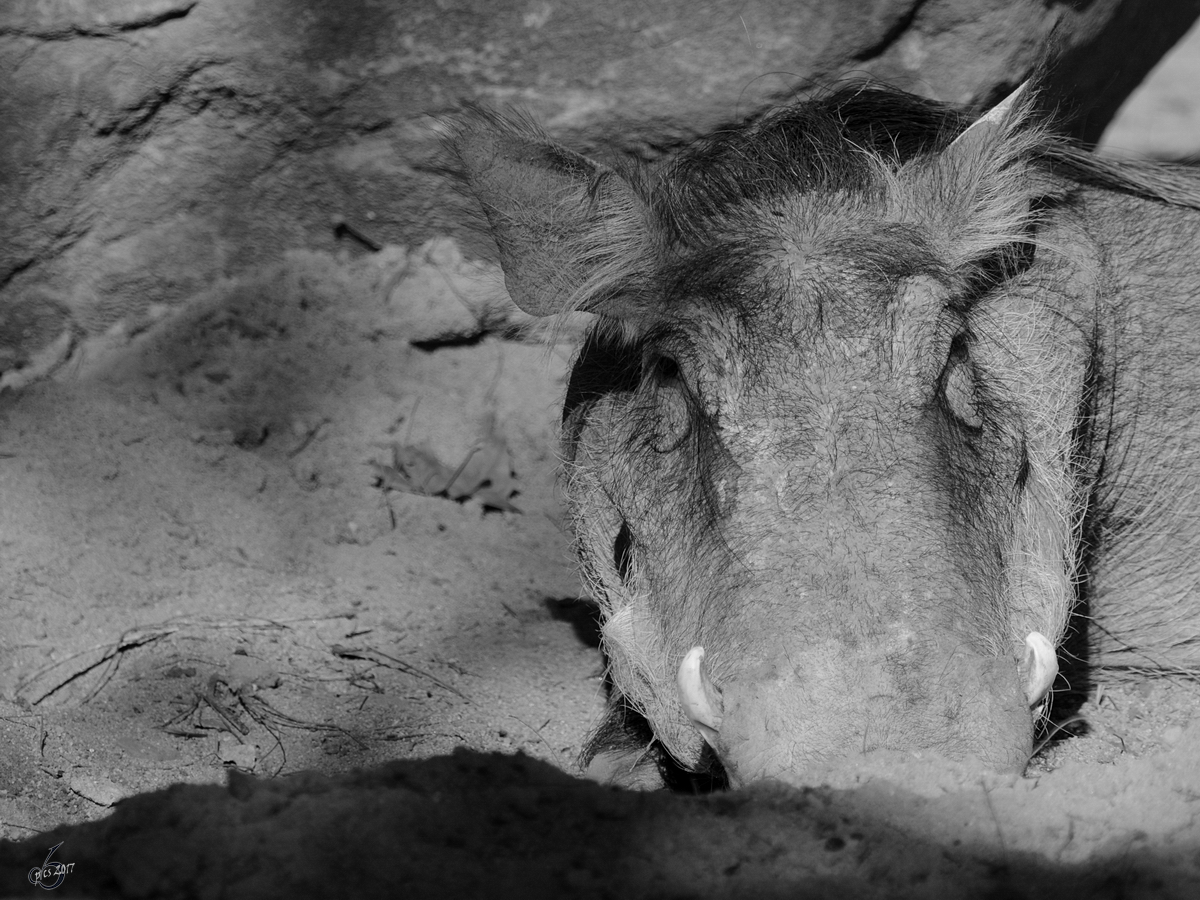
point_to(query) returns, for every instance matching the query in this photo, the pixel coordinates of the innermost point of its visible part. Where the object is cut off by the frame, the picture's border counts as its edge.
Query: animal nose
(800, 722)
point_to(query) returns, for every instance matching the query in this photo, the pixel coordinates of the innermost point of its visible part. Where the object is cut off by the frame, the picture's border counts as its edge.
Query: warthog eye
(664, 368)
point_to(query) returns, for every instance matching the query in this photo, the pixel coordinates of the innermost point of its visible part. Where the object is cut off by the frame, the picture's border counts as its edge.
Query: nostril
(622, 551)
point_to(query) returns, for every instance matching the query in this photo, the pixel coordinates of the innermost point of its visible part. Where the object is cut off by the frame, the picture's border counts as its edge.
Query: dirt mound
(486, 825)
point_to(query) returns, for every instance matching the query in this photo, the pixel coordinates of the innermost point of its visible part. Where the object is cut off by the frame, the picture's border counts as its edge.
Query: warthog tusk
(701, 701)
(1041, 668)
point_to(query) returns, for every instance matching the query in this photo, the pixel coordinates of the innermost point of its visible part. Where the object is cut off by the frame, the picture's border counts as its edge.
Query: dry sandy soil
(308, 526)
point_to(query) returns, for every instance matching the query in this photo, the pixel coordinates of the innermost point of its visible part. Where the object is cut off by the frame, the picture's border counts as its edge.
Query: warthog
(874, 396)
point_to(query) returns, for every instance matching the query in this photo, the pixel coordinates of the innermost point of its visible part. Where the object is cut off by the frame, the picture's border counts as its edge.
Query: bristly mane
(820, 145)
(825, 145)
(605, 239)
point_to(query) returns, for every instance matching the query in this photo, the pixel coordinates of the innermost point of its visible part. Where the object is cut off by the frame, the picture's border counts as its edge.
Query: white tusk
(1041, 668)
(698, 696)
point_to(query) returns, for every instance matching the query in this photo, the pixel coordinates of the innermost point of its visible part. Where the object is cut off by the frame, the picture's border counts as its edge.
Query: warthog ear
(976, 194)
(995, 118)
(569, 229)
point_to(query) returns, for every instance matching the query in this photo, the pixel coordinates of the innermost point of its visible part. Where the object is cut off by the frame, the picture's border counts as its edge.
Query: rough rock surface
(149, 147)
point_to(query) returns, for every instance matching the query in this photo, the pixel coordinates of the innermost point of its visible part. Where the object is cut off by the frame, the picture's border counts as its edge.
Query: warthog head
(823, 442)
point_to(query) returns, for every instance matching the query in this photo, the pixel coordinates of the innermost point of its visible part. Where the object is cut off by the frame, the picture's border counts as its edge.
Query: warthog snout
(761, 724)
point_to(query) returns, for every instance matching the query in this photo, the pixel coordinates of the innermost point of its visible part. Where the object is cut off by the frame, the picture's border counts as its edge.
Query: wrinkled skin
(841, 449)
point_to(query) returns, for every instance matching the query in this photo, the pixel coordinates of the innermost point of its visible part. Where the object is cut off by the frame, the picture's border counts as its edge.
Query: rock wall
(151, 147)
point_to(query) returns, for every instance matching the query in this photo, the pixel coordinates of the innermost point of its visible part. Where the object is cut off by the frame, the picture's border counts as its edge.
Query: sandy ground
(228, 545)
(211, 558)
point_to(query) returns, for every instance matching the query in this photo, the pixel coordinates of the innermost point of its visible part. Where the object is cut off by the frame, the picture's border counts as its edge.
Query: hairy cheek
(634, 444)
(665, 420)
(606, 480)
(628, 483)
(982, 486)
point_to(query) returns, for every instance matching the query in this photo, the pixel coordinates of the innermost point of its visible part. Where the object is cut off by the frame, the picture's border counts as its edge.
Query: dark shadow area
(469, 340)
(1075, 681)
(487, 825)
(581, 613)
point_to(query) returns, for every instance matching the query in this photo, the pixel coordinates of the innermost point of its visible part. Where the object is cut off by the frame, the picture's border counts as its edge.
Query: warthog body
(872, 400)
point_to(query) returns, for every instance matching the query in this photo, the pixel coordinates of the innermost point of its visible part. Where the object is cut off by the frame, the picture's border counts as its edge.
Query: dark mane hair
(825, 145)
(816, 145)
